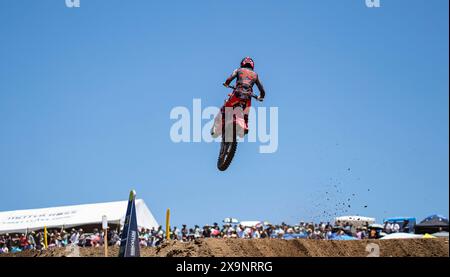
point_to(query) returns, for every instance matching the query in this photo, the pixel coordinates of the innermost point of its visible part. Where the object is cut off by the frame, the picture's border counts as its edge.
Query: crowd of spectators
(155, 236)
(55, 238)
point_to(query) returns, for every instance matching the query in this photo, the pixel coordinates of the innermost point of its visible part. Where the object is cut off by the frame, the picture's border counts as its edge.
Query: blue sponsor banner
(129, 240)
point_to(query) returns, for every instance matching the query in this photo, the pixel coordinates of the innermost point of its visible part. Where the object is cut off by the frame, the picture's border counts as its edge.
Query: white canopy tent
(402, 236)
(251, 223)
(21, 221)
(356, 219)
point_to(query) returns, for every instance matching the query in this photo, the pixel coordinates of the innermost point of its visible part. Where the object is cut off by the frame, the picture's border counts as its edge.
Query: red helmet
(248, 62)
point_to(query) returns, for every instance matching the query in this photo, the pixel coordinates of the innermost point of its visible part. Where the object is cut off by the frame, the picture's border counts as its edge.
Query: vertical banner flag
(129, 240)
(105, 233)
(45, 237)
(168, 224)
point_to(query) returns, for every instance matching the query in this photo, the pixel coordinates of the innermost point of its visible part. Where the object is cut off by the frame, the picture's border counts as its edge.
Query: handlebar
(252, 95)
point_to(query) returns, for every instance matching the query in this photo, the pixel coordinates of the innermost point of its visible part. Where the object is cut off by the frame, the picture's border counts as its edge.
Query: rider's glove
(260, 99)
(225, 85)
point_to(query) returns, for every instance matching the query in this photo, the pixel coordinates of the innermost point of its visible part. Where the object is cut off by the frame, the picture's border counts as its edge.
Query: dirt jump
(437, 247)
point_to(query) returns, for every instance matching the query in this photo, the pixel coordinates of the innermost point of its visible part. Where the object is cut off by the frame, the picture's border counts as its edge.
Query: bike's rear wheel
(227, 151)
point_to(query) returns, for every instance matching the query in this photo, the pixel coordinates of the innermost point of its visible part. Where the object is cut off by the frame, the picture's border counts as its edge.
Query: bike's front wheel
(227, 151)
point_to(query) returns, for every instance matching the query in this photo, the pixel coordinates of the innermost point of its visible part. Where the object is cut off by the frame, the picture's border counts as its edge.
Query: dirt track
(271, 247)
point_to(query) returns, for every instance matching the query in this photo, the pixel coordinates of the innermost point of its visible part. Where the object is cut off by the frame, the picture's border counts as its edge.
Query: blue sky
(85, 98)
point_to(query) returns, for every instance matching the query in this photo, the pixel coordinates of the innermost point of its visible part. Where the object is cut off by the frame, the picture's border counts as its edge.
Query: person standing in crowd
(360, 233)
(15, 243)
(59, 240)
(95, 238)
(191, 234)
(374, 234)
(395, 227)
(52, 241)
(113, 237)
(197, 232)
(74, 237)
(216, 226)
(255, 233)
(405, 227)
(148, 237)
(160, 232)
(31, 240)
(206, 231)
(328, 231)
(228, 231)
(23, 242)
(240, 231)
(3, 248)
(65, 238)
(184, 233)
(81, 238)
(176, 233)
(263, 233)
(159, 237)
(215, 233)
(388, 227)
(39, 241)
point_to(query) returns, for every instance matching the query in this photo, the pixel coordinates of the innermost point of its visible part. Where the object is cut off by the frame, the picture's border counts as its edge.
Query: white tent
(356, 219)
(402, 236)
(70, 216)
(251, 223)
(440, 234)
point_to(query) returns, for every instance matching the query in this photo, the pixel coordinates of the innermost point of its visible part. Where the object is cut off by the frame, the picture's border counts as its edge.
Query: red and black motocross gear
(246, 78)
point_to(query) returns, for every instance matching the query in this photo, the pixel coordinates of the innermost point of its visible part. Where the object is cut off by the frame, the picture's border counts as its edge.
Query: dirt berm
(269, 248)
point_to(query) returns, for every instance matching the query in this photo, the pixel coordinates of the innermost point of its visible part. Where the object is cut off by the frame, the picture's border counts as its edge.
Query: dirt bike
(231, 122)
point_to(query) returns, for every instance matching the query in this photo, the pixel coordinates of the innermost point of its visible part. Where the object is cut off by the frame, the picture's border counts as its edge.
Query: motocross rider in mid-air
(245, 77)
